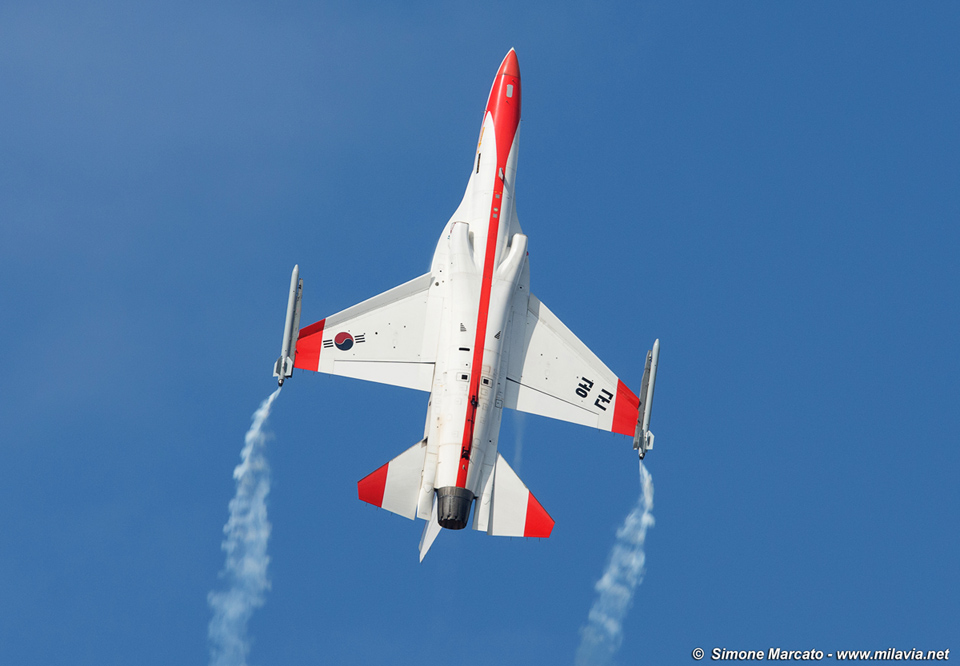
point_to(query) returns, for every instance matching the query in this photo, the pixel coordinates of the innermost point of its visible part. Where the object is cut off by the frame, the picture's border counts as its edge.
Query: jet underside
(471, 334)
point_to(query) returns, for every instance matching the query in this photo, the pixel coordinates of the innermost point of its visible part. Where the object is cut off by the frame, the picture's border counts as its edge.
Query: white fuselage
(479, 293)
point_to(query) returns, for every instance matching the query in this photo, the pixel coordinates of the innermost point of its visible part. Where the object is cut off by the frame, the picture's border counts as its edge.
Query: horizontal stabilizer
(396, 486)
(513, 510)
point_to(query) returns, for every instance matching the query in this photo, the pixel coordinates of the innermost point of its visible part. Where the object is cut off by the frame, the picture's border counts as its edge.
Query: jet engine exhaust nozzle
(453, 507)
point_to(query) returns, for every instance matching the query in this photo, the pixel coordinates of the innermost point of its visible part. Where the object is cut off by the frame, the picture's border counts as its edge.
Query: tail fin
(508, 508)
(396, 486)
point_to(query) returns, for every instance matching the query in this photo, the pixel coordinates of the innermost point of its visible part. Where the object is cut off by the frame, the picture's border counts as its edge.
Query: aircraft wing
(552, 373)
(390, 338)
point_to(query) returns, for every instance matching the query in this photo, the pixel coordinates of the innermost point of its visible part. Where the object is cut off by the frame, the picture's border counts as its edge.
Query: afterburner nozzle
(453, 507)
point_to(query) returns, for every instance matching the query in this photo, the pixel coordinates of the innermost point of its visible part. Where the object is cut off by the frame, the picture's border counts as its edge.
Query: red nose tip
(510, 66)
(504, 104)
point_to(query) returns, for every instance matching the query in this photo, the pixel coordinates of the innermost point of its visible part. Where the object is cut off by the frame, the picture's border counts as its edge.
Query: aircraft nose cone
(504, 104)
(510, 66)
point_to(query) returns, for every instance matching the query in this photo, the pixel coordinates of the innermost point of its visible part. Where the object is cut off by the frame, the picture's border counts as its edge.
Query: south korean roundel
(343, 341)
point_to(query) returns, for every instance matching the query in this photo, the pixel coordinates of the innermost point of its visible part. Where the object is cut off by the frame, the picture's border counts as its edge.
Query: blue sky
(769, 188)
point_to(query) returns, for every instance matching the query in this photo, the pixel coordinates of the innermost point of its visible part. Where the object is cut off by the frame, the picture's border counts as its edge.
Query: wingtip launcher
(643, 438)
(283, 368)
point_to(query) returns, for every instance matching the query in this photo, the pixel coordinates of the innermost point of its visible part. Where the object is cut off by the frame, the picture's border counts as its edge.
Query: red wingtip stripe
(538, 523)
(370, 488)
(313, 328)
(309, 343)
(626, 411)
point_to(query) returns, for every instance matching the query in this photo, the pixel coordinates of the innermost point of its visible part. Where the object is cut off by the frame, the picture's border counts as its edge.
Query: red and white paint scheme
(471, 333)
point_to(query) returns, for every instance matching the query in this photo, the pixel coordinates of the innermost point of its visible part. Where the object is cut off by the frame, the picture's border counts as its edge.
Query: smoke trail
(603, 634)
(246, 533)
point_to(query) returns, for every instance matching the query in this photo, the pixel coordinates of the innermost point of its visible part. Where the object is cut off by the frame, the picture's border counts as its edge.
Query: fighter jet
(471, 334)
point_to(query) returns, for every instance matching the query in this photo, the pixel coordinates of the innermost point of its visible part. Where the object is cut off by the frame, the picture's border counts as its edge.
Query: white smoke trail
(601, 637)
(246, 533)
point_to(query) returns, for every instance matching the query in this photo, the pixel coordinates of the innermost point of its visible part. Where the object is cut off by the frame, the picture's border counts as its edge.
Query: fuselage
(481, 276)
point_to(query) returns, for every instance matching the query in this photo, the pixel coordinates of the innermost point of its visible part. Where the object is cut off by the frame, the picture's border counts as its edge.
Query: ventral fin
(430, 532)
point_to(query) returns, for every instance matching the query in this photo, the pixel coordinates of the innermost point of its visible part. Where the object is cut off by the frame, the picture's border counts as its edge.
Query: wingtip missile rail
(643, 438)
(283, 368)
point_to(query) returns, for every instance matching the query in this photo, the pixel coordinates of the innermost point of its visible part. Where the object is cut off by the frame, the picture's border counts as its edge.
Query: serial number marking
(583, 388)
(604, 397)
